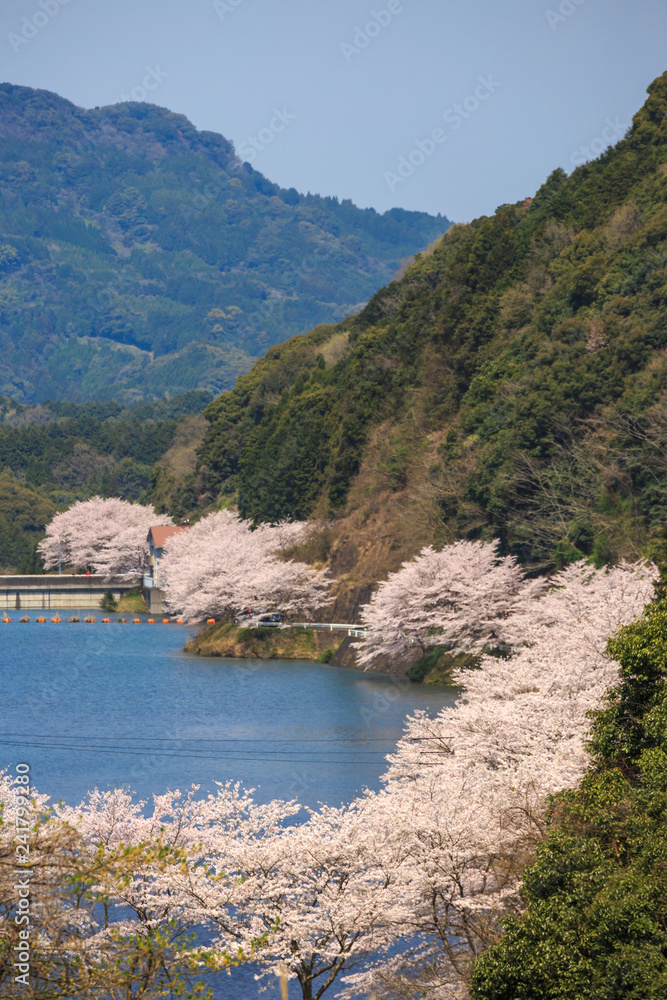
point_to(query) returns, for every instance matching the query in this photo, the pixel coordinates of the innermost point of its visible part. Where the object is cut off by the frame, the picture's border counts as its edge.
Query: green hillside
(54, 454)
(139, 256)
(512, 384)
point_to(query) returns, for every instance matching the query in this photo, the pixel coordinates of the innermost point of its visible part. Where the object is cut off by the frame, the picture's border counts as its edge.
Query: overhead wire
(37, 742)
(185, 753)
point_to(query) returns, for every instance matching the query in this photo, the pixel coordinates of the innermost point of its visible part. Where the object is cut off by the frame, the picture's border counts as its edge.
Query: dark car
(270, 620)
(255, 619)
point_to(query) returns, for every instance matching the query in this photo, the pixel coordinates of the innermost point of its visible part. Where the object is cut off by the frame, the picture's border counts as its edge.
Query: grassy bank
(228, 640)
(134, 601)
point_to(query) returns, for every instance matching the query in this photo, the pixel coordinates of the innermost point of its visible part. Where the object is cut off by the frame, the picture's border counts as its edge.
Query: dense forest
(54, 454)
(139, 256)
(512, 384)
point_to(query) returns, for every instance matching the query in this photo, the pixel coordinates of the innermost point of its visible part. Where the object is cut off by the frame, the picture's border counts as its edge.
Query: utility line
(218, 739)
(183, 755)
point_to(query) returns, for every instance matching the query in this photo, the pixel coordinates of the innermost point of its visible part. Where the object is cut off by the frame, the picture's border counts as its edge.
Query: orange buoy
(122, 619)
(89, 619)
(74, 619)
(40, 619)
(56, 619)
(24, 619)
(6, 619)
(151, 621)
(165, 621)
(210, 621)
(179, 621)
(136, 621)
(106, 619)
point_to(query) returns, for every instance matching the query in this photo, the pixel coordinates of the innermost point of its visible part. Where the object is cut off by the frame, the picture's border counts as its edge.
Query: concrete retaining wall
(46, 593)
(154, 598)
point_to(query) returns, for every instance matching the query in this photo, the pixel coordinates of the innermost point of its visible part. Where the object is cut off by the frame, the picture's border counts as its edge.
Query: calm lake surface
(111, 705)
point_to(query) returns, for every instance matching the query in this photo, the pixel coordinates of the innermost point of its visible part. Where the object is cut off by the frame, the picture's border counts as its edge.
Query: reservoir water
(111, 705)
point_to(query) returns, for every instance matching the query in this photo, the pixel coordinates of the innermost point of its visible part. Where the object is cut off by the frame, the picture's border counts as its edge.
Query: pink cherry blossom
(223, 564)
(457, 597)
(398, 891)
(107, 536)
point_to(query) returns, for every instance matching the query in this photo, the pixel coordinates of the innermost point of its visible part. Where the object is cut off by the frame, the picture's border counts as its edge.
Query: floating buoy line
(105, 621)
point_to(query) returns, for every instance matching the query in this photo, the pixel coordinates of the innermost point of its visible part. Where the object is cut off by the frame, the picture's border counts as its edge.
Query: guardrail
(356, 630)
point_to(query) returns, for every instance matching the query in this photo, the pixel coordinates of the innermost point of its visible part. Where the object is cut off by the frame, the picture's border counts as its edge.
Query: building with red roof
(157, 540)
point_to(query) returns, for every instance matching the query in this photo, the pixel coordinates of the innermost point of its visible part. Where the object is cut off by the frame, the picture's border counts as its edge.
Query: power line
(197, 739)
(183, 754)
(220, 739)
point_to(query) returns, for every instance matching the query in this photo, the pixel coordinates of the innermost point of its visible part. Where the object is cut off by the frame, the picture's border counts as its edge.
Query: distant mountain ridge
(140, 256)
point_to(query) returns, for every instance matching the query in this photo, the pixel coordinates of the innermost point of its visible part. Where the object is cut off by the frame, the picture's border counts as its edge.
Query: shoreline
(226, 640)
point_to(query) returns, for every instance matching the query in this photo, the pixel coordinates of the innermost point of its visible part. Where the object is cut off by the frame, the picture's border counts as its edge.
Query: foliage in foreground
(74, 920)
(596, 923)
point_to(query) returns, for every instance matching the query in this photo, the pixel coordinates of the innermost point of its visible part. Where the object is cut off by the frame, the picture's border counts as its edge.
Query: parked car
(270, 620)
(259, 619)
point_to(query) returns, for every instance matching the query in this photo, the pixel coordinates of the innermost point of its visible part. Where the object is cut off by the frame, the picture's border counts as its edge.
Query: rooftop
(161, 532)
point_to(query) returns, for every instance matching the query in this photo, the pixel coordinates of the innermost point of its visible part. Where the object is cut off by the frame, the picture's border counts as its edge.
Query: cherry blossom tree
(468, 788)
(395, 893)
(222, 565)
(321, 897)
(104, 917)
(457, 597)
(582, 606)
(107, 536)
(316, 898)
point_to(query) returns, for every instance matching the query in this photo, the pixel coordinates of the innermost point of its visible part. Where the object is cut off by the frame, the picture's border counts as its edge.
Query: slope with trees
(510, 385)
(596, 895)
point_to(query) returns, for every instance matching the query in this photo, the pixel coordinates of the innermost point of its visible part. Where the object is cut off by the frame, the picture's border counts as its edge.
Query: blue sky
(425, 104)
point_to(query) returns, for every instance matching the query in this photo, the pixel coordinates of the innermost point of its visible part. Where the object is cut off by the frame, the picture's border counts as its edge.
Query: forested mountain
(139, 256)
(512, 384)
